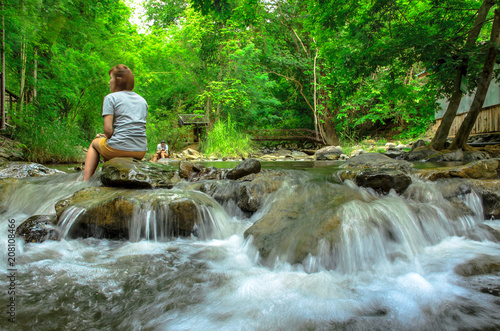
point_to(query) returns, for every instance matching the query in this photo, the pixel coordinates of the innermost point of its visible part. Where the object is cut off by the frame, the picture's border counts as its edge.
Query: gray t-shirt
(129, 112)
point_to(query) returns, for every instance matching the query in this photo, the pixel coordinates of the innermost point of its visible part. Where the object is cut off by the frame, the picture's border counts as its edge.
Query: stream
(367, 282)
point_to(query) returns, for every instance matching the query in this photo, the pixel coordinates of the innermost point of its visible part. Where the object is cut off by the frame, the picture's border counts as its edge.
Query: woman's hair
(123, 76)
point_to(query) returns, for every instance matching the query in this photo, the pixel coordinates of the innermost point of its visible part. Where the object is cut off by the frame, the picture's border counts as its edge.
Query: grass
(50, 141)
(226, 140)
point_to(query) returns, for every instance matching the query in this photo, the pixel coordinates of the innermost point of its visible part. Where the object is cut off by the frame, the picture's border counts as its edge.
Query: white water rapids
(219, 284)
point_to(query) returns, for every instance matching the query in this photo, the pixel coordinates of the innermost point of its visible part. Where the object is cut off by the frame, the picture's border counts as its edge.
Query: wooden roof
(192, 119)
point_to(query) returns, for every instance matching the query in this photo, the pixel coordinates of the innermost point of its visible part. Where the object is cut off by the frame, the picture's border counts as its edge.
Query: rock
(248, 193)
(394, 153)
(132, 173)
(26, 169)
(10, 150)
(457, 155)
(470, 156)
(483, 169)
(292, 228)
(417, 144)
(38, 228)
(390, 146)
(382, 181)
(495, 234)
(186, 170)
(169, 161)
(481, 265)
(299, 155)
(489, 190)
(247, 167)
(420, 154)
(104, 212)
(256, 188)
(283, 152)
(329, 153)
(376, 161)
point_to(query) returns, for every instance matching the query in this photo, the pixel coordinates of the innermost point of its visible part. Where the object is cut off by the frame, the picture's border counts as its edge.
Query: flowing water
(393, 268)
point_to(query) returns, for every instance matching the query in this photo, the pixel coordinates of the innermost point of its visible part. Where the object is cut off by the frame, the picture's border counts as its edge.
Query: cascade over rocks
(248, 192)
(290, 231)
(104, 212)
(131, 173)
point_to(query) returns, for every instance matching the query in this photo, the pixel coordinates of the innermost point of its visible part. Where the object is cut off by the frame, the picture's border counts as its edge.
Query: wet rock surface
(247, 167)
(383, 181)
(482, 265)
(25, 169)
(38, 228)
(132, 173)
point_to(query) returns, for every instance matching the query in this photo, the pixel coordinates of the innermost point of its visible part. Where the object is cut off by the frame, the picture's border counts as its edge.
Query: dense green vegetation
(345, 68)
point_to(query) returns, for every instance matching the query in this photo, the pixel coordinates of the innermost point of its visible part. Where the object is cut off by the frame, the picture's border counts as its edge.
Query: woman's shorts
(108, 152)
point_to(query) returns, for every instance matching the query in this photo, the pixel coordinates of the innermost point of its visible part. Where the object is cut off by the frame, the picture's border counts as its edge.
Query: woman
(124, 113)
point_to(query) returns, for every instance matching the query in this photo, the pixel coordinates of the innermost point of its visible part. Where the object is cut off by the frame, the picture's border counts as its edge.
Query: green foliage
(226, 139)
(163, 125)
(47, 141)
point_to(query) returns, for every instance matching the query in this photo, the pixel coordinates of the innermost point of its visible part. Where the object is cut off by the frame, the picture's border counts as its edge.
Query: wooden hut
(197, 122)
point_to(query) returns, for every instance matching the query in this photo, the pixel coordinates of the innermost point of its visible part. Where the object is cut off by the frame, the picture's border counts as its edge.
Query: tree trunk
(460, 140)
(23, 75)
(439, 139)
(2, 79)
(330, 137)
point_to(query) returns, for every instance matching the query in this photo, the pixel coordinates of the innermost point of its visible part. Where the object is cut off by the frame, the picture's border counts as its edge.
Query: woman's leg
(92, 159)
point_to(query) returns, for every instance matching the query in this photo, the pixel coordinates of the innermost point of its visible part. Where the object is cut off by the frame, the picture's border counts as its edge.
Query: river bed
(220, 284)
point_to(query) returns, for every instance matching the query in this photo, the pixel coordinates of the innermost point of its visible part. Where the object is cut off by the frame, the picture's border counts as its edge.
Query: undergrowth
(226, 140)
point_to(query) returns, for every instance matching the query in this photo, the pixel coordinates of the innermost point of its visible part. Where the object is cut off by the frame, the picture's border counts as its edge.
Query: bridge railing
(285, 134)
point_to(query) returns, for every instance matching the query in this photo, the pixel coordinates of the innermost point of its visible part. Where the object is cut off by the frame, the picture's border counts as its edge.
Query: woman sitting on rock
(124, 113)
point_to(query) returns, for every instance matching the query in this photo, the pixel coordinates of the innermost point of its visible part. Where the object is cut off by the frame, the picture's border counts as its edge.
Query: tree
(460, 140)
(439, 140)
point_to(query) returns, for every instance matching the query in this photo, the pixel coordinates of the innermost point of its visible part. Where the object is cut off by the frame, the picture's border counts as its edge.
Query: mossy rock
(131, 173)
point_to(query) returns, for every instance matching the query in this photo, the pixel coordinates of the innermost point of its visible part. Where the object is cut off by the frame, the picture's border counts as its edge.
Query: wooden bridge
(286, 134)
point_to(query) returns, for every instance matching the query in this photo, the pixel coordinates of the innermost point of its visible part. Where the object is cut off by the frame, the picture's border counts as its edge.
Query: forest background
(345, 68)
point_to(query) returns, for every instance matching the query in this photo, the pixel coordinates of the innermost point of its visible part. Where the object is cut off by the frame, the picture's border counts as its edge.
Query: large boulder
(131, 173)
(26, 169)
(255, 188)
(377, 171)
(248, 193)
(247, 167)
(329, 153)
(299, 220)
(38, 228)
(382, 181)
